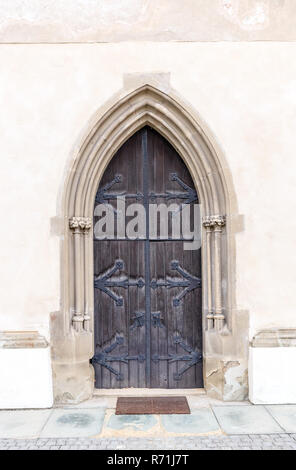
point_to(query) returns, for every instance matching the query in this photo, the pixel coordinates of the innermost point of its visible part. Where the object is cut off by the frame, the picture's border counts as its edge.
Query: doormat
(152, 406)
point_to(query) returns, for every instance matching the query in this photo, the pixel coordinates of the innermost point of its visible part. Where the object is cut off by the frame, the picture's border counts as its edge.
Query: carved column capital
(219, 221)
(207, 222)
(80, 224)
(213, 222)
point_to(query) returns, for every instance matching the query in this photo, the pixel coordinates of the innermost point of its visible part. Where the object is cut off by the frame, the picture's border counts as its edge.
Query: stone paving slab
(285, 415)
(130, 425)
(22, 423)
(74, 423)
(246, 420)
(101, 422)
(200, 421)
(135, 422)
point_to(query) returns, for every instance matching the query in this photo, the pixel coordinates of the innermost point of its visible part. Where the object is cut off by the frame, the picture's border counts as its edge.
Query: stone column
(219, 222)
(214, 225)
(210, 316)
(80, 226)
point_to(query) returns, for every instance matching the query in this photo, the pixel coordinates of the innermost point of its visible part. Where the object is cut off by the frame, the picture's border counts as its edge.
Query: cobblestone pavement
(235, 442)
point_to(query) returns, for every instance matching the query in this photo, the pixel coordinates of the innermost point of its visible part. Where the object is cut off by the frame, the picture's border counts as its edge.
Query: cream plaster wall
(245, 92)
(28, 383)
(270, 375)
(51, 21)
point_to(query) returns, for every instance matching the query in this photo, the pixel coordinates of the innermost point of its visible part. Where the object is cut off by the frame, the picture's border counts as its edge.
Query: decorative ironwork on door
(147, 292)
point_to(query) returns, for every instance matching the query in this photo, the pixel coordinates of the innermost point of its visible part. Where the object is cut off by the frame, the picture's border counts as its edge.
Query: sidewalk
(93, 424)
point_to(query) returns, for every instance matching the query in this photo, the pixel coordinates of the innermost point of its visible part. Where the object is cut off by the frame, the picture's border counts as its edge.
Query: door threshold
(148, 392)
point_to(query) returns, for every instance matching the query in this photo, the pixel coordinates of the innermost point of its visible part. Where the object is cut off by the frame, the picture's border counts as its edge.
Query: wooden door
(148, 310)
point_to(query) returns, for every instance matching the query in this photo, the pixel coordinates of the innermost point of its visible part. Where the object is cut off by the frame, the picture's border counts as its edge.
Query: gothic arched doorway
(225, 339)
(147, 298)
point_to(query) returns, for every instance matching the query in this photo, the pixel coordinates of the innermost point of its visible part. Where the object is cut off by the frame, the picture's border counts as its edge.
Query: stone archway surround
(72, 338)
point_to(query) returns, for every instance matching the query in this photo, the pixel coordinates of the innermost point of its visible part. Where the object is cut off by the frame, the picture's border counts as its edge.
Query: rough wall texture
(161, 20)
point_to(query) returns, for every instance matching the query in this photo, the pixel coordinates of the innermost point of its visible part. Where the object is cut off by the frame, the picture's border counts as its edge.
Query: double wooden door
(147, 288)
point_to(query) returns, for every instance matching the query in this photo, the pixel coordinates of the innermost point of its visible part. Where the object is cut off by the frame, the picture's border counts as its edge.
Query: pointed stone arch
(72, 332)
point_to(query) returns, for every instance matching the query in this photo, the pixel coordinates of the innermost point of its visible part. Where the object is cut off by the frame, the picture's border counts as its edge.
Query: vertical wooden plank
(162, 330)
(141, 332)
